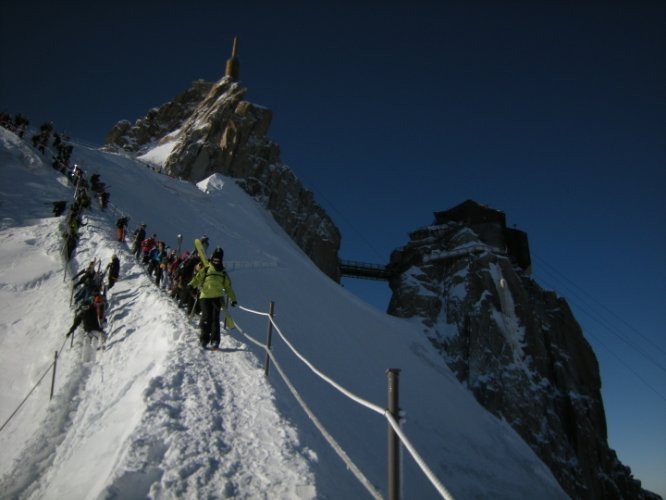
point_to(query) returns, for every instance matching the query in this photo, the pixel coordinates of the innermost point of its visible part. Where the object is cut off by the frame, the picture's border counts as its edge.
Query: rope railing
(330, 381)
(46, 372)
(441, 489)
(349, 394)
(327, 436)
(417, 457)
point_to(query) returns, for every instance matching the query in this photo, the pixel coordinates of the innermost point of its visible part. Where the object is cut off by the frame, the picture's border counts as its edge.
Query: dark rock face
(517, 347)
(213, 129)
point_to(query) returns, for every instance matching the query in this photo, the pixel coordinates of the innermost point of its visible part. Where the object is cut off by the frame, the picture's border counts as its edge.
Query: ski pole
(194, 306)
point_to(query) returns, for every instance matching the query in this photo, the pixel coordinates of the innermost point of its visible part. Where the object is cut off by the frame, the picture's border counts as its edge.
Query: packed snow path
(208, 429)
(205, 431)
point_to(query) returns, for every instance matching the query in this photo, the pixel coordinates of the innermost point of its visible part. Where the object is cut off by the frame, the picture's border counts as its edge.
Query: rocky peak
(212, 128)
(516, 346)
(158, 122)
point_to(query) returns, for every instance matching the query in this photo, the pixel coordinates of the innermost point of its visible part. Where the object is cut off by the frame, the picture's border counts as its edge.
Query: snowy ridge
(184, 391)
(153, 415)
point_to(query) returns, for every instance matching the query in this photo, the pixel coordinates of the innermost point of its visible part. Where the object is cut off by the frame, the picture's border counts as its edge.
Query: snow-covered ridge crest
(153, 416)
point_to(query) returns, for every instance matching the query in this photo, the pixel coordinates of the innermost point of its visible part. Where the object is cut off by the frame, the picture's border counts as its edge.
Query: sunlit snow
(153, 415)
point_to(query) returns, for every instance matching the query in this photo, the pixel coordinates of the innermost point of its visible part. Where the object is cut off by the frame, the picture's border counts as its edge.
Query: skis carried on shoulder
(200, 250)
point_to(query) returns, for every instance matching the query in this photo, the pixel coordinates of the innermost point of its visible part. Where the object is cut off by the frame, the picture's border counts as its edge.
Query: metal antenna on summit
(233, 65)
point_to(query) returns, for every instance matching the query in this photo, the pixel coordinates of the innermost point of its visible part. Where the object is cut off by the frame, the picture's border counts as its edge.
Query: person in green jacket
(214, 285)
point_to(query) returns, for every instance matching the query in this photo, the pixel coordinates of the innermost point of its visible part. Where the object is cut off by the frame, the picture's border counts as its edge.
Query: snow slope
(153, 415)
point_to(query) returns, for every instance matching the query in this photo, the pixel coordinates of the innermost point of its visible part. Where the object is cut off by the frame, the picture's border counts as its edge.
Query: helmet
(216, 258)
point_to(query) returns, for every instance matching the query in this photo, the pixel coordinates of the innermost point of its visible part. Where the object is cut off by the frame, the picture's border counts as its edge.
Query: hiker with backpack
(214, 285)
(113, 269)
(121, 227)
(138, 236)
(92, 317)
(146, 246)
(164, 275)
(85, 277)
(90, 284)
(155, 255)
(183, 292)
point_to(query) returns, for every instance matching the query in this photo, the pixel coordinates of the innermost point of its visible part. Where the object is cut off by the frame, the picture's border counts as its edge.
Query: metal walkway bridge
(364, 270)
(353, 269)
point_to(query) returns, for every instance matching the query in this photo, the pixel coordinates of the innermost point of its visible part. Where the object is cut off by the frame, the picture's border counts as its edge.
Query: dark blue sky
(554, 112)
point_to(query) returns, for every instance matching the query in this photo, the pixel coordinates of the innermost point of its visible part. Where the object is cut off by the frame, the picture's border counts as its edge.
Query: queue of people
(196, 283)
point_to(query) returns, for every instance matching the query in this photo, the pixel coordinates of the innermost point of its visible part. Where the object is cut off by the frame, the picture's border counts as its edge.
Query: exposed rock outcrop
(212, 128)
(158, 122)
(518, 347)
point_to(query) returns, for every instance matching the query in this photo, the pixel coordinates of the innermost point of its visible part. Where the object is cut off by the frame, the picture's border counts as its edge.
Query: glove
(234, 304)
(68, 333)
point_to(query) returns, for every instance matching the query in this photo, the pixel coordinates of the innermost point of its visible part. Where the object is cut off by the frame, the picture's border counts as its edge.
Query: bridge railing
(364, 270)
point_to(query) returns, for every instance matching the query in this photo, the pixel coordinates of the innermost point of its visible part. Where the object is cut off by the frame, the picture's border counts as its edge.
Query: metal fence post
(55, 364)
(393, 440)
(269, 337)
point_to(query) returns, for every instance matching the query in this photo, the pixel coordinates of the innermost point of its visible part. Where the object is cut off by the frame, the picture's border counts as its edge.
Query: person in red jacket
(146, 246)
(121, 227)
